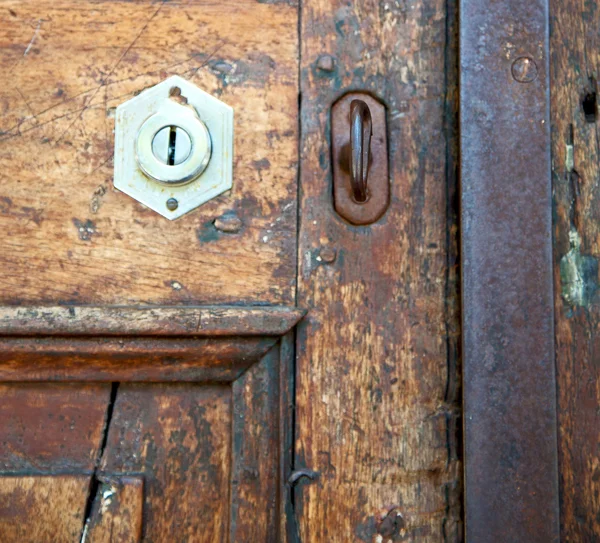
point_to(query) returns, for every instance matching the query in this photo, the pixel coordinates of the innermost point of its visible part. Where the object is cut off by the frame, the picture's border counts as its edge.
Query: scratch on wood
(113, 69)
(35, 34)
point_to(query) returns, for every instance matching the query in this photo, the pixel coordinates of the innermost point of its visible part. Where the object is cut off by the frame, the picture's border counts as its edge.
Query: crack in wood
(95, 483)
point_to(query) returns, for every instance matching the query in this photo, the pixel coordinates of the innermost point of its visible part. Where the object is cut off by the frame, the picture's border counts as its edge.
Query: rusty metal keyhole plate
(378, 187)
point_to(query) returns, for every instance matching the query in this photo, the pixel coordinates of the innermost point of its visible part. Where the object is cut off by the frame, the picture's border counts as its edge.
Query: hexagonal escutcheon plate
(207, 126)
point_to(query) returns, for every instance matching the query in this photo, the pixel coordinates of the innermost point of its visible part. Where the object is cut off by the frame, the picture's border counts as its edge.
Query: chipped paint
(578, 274)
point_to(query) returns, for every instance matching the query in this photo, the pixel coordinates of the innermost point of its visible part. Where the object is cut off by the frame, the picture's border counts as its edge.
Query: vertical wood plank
(376, 396)
(575, 65)
(179, 438)
(255, 452)
(51, 427)
(39, 509)
(117, 512)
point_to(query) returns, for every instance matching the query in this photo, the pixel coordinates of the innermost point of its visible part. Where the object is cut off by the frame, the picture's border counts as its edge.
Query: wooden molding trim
(194, 321)
(151, 344)
(111, 359)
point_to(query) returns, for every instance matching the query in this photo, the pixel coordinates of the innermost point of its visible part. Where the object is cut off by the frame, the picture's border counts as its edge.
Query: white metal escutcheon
(173, 147)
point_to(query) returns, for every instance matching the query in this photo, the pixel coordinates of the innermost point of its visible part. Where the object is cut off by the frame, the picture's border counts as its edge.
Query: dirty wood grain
(143, 321)
(377, 393)
(129, 359)
(178, 437)
(68, 235)
(33, 509)
(575, 46)
(117, 512)
(51, 427)
(255, 453)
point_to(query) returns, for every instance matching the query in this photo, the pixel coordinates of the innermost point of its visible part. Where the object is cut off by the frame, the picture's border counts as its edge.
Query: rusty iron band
(511, 473)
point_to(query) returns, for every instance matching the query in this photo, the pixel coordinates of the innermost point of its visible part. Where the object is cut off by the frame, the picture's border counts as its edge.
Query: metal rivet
(326, 63)
(223, 67)
(231, 224)
(524, 70)
(172, 204)
(327, 254)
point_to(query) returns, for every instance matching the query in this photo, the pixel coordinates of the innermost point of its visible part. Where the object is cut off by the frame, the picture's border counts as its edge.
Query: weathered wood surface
(51, 427)
(42, 509)
(178, 437)
(255, 454)
(67, 235)
(154, 321)
(117, 513)
(129, 359)
(575, 46)
(377, 397)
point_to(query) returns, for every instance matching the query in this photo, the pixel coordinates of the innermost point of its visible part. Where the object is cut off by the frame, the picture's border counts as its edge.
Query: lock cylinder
(173, 146)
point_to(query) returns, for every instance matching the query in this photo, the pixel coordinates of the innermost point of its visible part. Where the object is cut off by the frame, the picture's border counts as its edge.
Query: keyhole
(172, 145)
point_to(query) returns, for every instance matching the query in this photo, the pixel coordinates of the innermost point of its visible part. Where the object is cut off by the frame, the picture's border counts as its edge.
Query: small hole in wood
(175, 94)
(590, 107)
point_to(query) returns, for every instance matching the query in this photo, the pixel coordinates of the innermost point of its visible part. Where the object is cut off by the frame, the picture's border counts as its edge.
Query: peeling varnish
(578, 274)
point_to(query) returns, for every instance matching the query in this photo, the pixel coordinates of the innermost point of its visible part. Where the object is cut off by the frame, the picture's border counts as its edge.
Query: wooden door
(259, 369)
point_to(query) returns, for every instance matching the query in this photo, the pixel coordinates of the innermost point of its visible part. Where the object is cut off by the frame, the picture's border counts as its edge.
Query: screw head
(326, 63)
(524, 70)
(172, 204)
(229, 223)
(327, 254)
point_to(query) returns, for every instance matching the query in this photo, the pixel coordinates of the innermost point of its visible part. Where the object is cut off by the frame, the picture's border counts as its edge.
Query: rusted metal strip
(508, 336)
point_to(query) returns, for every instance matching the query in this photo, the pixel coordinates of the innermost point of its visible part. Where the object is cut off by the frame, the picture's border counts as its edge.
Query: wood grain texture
(42, 509)
(575, 46)
(255, 453)
(68, 235)
(153, 321)
(178, 437)
(376, 379)
(51, 427)
(117, 513)
(129, 359)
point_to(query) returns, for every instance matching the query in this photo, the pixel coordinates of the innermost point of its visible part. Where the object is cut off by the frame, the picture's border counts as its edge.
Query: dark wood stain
(575, 46)
(377, 394)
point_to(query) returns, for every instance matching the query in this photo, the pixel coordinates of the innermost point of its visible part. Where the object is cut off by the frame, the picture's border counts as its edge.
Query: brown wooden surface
(255, 454)
(154, 321)
(575, 46)
(129, 359)
(117, 514)
(42, 509)
(178, 437)
(67, 234)
(376, 390)
(375, 452)
(51, 427)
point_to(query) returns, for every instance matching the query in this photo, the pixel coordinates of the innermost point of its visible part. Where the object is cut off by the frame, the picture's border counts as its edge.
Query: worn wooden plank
(36, 509)
(68, 235)
(154, 321)
(117, 513)
(51, 427)
(575, 58)
(179, 438)
(129, 359)
(376, 390)
(286, 514)
(255, 453)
